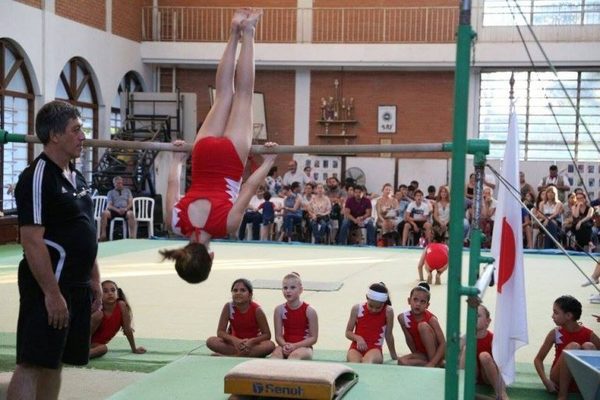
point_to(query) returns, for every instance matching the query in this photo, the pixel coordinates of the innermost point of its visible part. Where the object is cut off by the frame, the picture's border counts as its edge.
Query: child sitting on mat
(296, 323)
(243, 329)
(568, 334)
(424, 336)
(487, 370)
(434, 257)
(114, 315)
(369, 325)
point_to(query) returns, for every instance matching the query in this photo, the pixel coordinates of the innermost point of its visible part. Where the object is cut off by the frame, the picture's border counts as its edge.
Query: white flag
(510, 328)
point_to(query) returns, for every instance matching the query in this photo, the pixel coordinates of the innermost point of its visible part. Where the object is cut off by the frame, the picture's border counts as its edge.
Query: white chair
(99, 207)
(123, 222)
(143, 211)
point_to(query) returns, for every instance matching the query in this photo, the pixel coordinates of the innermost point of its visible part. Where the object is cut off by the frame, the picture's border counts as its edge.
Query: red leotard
(413, 328)
(244, 324)
(109, 326)
(562, 338)
(216, 176)
(484, 344)
(371, 327)
(436, 255)
(295, 323)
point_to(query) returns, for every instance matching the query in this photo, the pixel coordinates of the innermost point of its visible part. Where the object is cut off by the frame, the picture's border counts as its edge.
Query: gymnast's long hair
(192, 262)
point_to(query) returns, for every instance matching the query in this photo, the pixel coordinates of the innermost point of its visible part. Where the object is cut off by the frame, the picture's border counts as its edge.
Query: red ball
(436, 255)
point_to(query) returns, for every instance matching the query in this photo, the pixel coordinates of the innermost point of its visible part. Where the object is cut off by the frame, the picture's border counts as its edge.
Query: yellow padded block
(290, 379)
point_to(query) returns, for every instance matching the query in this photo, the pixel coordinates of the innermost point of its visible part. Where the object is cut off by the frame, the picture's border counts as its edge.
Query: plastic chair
(143, 211)
(112, 227)
(99, 207)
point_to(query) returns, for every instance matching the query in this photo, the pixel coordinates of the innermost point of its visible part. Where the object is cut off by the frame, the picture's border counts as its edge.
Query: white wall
(48, 42)
(378, 171)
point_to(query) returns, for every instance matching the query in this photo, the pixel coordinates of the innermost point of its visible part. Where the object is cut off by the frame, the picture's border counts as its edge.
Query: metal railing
(306, 25)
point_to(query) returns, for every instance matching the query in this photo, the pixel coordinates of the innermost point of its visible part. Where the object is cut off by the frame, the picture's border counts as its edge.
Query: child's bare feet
(238, 16)
(438, 279)
(249, 24)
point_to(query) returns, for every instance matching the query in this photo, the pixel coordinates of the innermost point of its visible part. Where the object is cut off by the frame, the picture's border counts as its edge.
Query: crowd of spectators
(333, 213)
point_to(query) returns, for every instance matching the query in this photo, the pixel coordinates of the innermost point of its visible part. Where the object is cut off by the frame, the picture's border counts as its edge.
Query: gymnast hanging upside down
(215, 203)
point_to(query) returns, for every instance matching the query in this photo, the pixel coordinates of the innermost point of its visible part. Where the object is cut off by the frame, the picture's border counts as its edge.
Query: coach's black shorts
(40, 344)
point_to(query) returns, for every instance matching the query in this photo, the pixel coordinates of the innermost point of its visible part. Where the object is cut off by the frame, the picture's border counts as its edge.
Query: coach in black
(59, 281)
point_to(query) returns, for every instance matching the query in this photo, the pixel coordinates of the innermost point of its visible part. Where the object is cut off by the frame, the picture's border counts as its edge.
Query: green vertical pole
(457, 183)
(474, 264)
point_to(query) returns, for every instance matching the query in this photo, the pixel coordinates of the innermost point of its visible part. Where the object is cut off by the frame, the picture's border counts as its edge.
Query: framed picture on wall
(386, 119)
(258, 113)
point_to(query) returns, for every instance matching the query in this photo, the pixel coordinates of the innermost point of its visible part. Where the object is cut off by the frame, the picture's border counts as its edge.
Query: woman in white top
(550, 216)
(387, 216)
(319, 209)
(488, 213)
(441, 209)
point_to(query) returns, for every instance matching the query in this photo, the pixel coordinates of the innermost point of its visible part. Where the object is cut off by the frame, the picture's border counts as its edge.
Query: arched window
(129, 84)
(77, 87)
(16, 116)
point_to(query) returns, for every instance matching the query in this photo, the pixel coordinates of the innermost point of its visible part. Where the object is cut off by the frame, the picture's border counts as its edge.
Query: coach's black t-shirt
(64, 208)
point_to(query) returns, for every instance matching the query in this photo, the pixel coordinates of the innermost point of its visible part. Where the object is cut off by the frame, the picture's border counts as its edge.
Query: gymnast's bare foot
(249, 24)
(238, 16)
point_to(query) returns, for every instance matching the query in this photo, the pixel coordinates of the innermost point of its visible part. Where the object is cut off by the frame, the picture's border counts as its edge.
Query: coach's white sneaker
(588, 283)
(595, 299)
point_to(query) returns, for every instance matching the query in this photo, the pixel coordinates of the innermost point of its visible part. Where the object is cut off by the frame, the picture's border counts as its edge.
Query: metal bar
(6, 137)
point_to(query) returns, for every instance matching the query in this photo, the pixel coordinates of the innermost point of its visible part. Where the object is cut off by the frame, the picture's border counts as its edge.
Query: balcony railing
(306, 25)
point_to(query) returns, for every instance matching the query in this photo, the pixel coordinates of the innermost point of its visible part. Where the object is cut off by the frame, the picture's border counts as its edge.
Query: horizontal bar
(6, 137)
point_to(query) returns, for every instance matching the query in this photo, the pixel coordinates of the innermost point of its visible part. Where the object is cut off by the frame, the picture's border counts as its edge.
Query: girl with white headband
(371, 324)
(424, 336)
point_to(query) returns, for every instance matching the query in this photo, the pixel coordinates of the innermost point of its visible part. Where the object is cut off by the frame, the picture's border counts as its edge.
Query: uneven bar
(6, 137)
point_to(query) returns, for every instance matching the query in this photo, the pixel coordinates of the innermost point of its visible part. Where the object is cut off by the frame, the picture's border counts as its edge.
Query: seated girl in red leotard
(422, 331)
(569, 334)
(487, 369)
(243, 328)
(215, 203)
(296, 322)
(114, 315)
(371, 324)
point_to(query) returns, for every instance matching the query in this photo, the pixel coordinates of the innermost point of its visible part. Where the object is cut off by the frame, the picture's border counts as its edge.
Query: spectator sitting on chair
(403, 201)
(417, 217)
(293, 175)
(488, 212)
(357, 212)
(387, 215)
(551, 216)
(292, 211)
(119, 204)
(319, 210)
(253, 216)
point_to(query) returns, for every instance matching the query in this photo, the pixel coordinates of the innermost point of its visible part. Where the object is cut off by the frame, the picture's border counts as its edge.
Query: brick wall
(127, 18)
(278, 88)
(87, 12)
(32, 3)
(424, 103)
